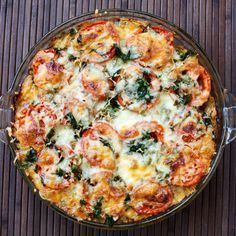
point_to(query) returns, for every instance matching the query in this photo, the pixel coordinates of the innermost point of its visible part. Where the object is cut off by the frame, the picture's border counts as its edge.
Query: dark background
(211, 22)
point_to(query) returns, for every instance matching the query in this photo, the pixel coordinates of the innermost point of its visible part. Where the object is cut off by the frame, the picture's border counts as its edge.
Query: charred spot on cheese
(117, 178)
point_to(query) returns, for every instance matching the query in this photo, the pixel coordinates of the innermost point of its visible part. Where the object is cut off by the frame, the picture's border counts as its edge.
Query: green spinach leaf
(141, 144)
(30, 159)
(127, 198)
(109, 220)
(184, 100)
(121, 55)
(143, 90)
(76, 171)
(97, 208)
(106, 143)
(49, 142)
(70, 117)
(60, 172)
(72, 57)
(206, 119)
(82, 202)
(73, 31)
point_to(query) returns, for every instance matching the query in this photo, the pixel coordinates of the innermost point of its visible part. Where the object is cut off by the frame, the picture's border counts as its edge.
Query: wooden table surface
(211, 22)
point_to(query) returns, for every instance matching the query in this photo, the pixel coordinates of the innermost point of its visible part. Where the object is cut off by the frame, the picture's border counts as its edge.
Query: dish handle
(230, 117)
(6, 113)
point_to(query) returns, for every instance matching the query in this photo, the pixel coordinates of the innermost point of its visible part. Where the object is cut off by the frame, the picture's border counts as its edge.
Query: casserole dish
(225, 129)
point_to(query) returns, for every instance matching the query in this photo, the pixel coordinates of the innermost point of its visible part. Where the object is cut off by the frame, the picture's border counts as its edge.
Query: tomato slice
(41, 57)
(99, 145)
(160, 30)
(151, 198)
(95, 82)
(169, 35)
(99, 39)
(200, 92)
(90, 26)
(141, 90)
(155, 51)
(156, 130)
(188, 138)
(32, 122)
(187, 170)
(46, 112)
(55, 172)
(48, 74)
(204, 82)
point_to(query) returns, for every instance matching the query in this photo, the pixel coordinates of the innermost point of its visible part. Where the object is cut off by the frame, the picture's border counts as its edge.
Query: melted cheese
(126, 119)
(93, 82)
(64, 136)
(132, 170)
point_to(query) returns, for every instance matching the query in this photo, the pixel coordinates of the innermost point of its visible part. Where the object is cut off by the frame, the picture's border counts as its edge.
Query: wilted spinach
(127, 198)
(76, 171)
(184, 54)
(72, 31)
(49, 142)
(184, 100)
(106, 143)
(30, 159)
(141, 144)
(109, 220)
(143, 89)
(206, 119)
(97, 208)
(72, 57)
(121, 55)
(70, 117)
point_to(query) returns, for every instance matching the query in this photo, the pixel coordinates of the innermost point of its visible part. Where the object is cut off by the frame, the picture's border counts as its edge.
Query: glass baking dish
(225, 103)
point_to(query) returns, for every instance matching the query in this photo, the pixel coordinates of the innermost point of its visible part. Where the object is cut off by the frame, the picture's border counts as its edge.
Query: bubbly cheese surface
(114, 122)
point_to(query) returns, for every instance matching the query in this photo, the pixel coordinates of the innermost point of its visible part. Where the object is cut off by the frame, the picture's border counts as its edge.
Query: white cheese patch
(64, 135)
(127, 118)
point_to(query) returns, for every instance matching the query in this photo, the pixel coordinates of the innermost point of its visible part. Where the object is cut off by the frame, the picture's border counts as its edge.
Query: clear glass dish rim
(111, 13)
